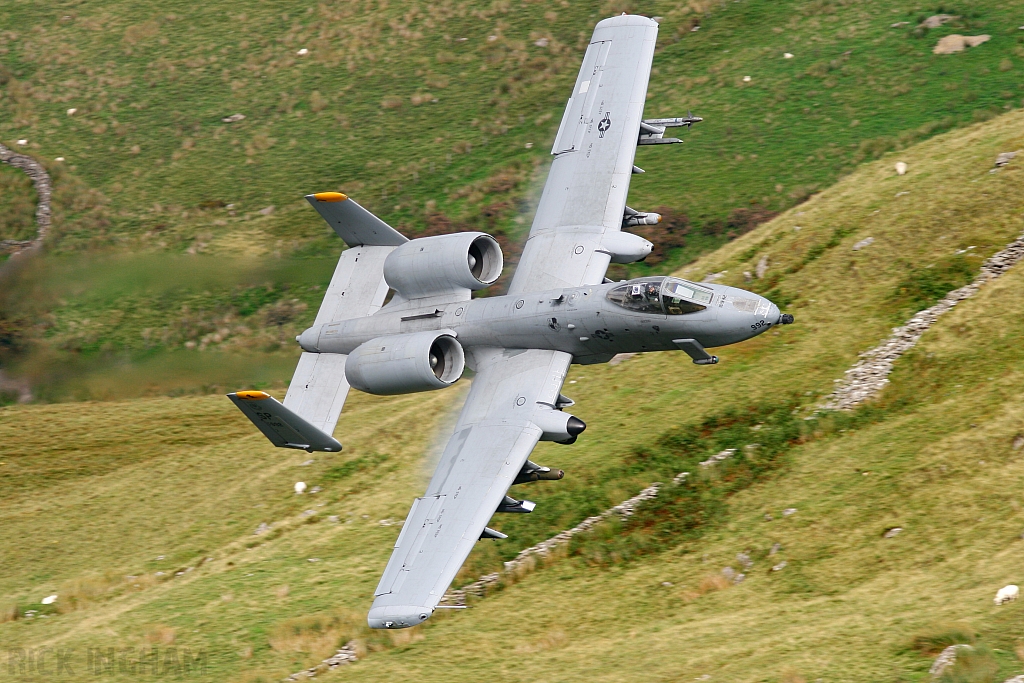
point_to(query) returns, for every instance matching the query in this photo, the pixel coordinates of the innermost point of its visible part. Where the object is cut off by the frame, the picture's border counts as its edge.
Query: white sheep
(1007, 594)
(300, 487)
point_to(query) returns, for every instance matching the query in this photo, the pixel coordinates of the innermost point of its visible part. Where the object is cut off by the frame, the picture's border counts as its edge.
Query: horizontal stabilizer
(283, 427)
(353, 223)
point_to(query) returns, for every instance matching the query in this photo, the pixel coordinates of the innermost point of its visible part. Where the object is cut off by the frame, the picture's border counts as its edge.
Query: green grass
(17, 205)
(97, 491)
(151, 169)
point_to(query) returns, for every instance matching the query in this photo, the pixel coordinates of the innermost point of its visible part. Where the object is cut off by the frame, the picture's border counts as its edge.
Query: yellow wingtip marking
(252, 395)
(330, 197)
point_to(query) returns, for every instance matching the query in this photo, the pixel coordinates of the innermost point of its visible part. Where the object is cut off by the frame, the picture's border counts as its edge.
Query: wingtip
(398, 616)
(330, 197)
(251, 395)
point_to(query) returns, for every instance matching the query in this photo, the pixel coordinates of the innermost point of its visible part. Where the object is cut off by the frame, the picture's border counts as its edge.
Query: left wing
(585, 195)
(512, 393)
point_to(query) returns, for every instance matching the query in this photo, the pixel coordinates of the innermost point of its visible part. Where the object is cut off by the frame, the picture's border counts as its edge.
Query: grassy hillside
(109, 501)
(438, 118)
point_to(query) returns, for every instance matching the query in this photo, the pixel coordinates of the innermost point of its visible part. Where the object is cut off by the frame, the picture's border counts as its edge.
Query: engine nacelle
(625, 247)
(406, 363)
(438, 265)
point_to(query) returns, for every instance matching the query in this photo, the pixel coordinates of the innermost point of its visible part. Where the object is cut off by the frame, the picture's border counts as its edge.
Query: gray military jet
(560, 309)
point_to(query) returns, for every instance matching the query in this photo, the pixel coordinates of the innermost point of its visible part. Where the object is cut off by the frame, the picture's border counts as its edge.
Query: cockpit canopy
(661, 295)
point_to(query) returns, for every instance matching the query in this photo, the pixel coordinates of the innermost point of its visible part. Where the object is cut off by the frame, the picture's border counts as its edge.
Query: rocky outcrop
(870, 374)
(954, 43)
(44, 190)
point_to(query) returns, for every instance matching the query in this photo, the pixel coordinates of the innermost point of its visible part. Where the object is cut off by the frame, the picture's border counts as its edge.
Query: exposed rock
(780, 566)
(234, 118)
(901, 168)
(1018, 442)
(343, 656)
(762, 267)
(748, 276)
(266, 211)
(866, 242)
(1005, 158)
(869, 375)
(946, 659)
(957, 43)
(776, 547)
(744, 559)
(680, 478)
(718, 457)
(899, 24)
(620, 358)
(261, 529)
(712, 277)
(890, 533)
(788, 511)
(937, 20)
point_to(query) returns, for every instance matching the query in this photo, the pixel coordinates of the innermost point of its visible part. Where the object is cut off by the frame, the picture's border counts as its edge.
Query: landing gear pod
(406, 363)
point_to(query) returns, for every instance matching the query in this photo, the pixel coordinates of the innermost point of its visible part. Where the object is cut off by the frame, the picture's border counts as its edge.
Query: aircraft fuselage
(582, 321)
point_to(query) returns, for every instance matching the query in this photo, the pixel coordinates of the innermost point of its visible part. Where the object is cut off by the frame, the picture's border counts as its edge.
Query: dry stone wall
(868, 376)
(44, 190)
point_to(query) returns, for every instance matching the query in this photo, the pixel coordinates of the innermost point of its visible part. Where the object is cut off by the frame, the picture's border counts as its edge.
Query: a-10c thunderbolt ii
(559, 310)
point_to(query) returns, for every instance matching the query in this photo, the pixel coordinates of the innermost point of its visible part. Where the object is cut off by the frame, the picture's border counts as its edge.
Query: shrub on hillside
(759, 437)
(933, 640)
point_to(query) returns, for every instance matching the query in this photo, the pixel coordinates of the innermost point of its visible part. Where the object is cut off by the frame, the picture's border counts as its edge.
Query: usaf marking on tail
(560, 309)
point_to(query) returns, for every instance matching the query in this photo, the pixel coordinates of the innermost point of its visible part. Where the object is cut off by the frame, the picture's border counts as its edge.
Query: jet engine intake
(625, 247)
(406, 363)
(444, 263)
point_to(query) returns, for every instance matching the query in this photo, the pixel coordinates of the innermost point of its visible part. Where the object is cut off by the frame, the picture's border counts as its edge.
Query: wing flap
(318, 389)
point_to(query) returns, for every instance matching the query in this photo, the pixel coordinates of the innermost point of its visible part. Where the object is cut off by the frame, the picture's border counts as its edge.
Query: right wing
(318, 388)
(585, 195)
(496, 431)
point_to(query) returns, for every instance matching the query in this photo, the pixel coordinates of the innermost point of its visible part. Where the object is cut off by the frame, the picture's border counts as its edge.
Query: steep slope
(150, 166)
(112, 500)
